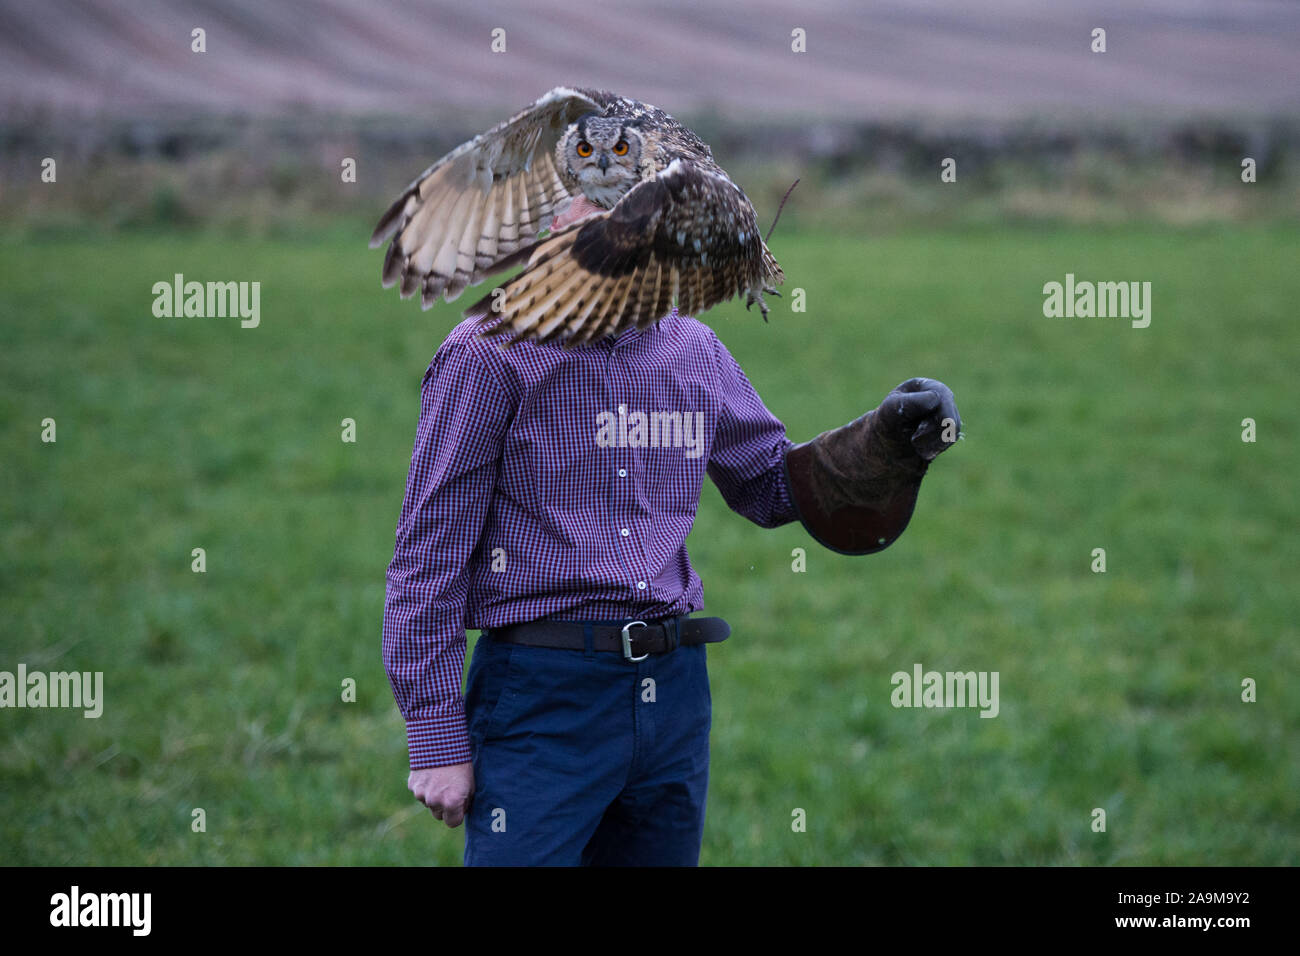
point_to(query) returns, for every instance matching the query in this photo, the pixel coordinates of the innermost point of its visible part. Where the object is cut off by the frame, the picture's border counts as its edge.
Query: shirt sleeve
(748, 458)
(464, 414)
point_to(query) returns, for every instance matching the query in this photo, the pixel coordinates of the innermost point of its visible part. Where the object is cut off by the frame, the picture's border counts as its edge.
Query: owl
(672, 228)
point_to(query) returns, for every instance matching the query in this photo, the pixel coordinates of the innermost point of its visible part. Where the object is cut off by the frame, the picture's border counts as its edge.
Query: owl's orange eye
(620, 148)
(584, 149)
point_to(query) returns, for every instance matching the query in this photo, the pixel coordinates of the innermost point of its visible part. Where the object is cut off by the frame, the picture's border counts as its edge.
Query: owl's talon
(751, 297)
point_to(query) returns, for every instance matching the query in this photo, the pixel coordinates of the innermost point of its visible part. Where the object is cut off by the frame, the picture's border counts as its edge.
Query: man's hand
(446, 791)
(922, 412)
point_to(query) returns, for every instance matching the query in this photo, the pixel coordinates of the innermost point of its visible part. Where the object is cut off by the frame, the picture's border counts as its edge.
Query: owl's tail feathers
(580, 292)
(769, 276)
(553, 295)
(772, 273)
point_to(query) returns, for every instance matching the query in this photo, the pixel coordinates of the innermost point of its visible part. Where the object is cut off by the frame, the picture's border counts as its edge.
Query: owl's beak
(603, 162)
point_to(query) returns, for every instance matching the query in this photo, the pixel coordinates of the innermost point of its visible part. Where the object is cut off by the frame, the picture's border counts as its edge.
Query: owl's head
(603, 154)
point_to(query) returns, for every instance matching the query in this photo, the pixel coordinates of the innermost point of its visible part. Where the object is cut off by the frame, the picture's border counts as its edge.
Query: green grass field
(1119, 690)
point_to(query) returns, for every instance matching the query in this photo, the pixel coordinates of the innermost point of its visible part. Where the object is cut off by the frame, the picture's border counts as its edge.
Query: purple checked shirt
(554, 483)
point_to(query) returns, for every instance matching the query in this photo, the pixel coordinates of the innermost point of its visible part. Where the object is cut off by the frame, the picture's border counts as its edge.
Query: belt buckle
(627, 641)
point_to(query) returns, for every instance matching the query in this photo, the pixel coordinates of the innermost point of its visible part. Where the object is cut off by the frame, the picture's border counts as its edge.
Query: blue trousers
(584, 758)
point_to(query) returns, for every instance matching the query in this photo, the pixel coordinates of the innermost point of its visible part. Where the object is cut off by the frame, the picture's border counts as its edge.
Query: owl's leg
(751, 297)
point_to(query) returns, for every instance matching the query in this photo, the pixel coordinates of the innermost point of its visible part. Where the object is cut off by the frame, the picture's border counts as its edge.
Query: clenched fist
(447, 791)
(923, 414)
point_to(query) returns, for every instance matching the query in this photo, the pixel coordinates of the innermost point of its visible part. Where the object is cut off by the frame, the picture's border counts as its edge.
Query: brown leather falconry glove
(855, 487)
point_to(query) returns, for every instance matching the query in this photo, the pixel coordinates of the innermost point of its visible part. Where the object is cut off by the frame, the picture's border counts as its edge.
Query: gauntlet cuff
(854, 488)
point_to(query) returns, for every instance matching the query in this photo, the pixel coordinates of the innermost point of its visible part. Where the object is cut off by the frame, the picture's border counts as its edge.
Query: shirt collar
(631, 334)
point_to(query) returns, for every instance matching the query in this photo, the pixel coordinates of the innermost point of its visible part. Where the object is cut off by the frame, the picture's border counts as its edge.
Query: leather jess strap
(633, 640)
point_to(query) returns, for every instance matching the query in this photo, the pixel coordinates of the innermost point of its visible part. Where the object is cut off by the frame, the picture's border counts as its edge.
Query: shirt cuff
(437, 741)
(783, 509)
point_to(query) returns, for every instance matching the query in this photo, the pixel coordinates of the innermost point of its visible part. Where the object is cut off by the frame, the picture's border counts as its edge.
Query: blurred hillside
(885, 57)
(251, 134)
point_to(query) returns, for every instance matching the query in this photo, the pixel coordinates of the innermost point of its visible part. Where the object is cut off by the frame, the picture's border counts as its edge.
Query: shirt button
(640, 585)
(622, 472)
(622, 409)
(623, 532)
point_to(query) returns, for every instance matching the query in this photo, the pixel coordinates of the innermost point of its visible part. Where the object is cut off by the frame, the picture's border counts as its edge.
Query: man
(548, 502)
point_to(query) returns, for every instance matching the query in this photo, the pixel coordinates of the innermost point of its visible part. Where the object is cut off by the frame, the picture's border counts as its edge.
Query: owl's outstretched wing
(479, 203)
(688, 235)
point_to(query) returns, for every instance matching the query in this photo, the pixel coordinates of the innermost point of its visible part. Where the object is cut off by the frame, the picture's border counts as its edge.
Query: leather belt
(635, 640)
